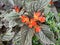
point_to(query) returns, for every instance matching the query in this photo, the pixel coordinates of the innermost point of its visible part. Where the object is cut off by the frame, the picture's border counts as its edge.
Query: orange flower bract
(36, 15)
(30, 26)
(37, 29)
(24, 19)
(42, 19)
(17, 9)
(32, 23)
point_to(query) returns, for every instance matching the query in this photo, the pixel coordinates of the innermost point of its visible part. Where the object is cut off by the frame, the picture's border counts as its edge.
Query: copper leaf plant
(26, 22)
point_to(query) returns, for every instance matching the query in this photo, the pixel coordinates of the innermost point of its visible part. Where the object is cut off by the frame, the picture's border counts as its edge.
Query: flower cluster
(32, 22)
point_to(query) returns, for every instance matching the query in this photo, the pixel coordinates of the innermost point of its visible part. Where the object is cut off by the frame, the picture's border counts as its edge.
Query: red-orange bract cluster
(25, 19)
(37, 28)
(32, 22)
(17, 9)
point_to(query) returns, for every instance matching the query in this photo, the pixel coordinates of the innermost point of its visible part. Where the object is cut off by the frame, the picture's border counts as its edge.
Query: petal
(37, 29)
(23, 21)
(42, 19)
(17, 9)
(30, 26)
(32, 22)
(37, 13)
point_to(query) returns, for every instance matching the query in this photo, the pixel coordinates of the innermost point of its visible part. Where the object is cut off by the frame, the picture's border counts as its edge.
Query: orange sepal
(30, 26)
(42, 19)
(17, 9)
(32, 23)
(36, 15)
(24, 19)
(37, 29)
